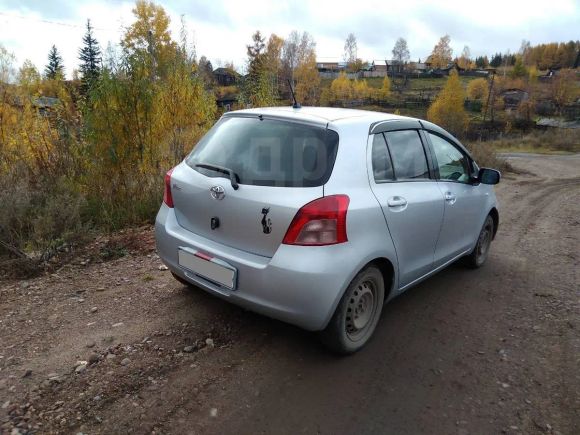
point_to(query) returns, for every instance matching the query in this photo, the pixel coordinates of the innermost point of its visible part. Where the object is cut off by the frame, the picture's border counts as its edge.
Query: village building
(226, 76)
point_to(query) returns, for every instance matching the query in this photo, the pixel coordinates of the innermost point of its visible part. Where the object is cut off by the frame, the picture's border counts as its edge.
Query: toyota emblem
(217, 192)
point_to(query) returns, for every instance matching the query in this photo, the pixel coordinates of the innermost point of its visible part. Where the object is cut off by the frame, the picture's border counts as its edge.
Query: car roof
(336, 115)
(319, 114)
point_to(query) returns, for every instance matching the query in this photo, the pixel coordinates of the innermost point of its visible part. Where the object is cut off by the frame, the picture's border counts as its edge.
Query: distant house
(379, 66)
(367, 67)
(450, 67)
(395, 67)
(226, 76)
(421, 67)
(388, 66)
(382, 68)
(330, 67)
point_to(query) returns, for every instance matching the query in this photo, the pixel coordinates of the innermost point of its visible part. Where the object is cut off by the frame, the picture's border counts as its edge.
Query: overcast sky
(222, 28)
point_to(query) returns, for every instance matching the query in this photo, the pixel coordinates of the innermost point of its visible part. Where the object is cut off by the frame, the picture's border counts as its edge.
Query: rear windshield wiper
(233, 176)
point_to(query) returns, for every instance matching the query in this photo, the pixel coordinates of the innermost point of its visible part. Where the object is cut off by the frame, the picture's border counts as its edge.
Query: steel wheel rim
(483, 243)
(360, 310)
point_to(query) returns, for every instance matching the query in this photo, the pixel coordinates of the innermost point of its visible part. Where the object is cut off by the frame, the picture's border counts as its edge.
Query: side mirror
(488, 176)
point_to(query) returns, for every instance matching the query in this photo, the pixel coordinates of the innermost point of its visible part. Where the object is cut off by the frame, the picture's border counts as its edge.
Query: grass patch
(486, 156)
(552, 141)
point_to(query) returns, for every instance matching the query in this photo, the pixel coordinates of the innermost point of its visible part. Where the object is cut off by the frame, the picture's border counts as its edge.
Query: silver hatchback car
(317, 216)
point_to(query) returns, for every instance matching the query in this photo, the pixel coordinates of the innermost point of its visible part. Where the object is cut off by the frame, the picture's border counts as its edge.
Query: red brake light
(320, 222)
(167, 196)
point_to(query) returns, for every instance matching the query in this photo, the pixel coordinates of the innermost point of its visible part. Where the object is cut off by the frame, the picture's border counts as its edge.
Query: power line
(57, 23)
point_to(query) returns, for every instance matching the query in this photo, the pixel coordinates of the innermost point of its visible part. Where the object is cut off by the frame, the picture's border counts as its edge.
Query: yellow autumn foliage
(307, 80)
(477, 89)
(385, 90)
(361, 90)
(447, 110)
(111, 146)
(341, 88)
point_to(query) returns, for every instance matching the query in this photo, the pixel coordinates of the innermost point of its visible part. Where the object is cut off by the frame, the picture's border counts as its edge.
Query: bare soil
(119, 346)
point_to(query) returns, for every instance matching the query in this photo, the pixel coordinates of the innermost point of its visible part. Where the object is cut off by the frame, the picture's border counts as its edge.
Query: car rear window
(267, 152)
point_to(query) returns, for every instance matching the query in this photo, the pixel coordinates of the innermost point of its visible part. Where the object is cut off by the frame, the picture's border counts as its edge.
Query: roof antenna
(296, 104)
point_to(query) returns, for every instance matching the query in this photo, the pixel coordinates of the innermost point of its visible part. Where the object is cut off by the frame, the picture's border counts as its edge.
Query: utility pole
(488, 101)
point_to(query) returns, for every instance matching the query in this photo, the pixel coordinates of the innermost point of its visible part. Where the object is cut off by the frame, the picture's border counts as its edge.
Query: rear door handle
(397, 201)
(450, 197)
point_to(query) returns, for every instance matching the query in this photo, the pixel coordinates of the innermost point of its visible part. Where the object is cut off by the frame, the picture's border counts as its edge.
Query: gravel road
(120, 347)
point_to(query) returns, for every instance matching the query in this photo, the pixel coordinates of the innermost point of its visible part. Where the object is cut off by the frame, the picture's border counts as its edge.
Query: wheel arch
(388, 271)
(495, 216)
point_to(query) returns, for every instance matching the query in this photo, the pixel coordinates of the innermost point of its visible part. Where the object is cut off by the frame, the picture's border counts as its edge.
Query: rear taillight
(167, 196)
(320, 222)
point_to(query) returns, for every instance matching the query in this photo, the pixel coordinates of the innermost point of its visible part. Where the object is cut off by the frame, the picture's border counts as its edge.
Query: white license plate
(207, 267)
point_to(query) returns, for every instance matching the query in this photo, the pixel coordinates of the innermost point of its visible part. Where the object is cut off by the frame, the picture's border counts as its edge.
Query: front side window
(452, 163)
(408, 155)
(382, 167)
(267, 152)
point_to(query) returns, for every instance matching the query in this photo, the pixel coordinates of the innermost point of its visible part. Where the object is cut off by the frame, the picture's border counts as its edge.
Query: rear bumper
(299, 285)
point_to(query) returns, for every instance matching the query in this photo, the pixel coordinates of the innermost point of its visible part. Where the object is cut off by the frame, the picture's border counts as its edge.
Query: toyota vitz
(317, 216)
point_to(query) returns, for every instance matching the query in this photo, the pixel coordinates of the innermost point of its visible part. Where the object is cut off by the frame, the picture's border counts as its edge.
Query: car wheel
(357, 314)
(481, 251)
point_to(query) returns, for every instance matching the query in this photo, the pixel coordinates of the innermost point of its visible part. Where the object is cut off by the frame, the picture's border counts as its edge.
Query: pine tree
(257, 89)
(496, 60)
(90, 57)
(55, 68)
(519, 70)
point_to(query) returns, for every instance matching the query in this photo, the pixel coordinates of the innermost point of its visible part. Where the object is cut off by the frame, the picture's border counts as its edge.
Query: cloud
(61, 9)
(222, 28)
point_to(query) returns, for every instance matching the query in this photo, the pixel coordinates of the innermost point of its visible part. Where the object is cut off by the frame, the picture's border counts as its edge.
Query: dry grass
(549, 141)
(485, 155)
(553, 141)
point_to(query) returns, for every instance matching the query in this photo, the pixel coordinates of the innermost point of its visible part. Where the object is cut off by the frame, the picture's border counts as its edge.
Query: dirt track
(487, 351)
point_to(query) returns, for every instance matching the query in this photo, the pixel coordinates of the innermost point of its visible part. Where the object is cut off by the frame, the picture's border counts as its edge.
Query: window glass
(268, 152)
(408, 156)
(382, 168)
(452, 163)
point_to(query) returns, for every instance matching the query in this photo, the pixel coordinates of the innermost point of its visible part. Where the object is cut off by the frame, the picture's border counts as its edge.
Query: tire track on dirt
(540, 198)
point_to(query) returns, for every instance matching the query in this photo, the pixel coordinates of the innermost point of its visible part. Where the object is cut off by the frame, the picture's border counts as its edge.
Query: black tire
(357, 314)
(479, 255)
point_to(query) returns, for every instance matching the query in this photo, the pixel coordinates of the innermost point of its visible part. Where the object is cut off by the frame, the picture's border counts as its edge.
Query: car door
(464, 200)
(411, 200)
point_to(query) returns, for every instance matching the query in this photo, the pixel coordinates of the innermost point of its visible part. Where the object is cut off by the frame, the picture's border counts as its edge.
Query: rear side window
(268, 152)
(382, 167)
(408, 155)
